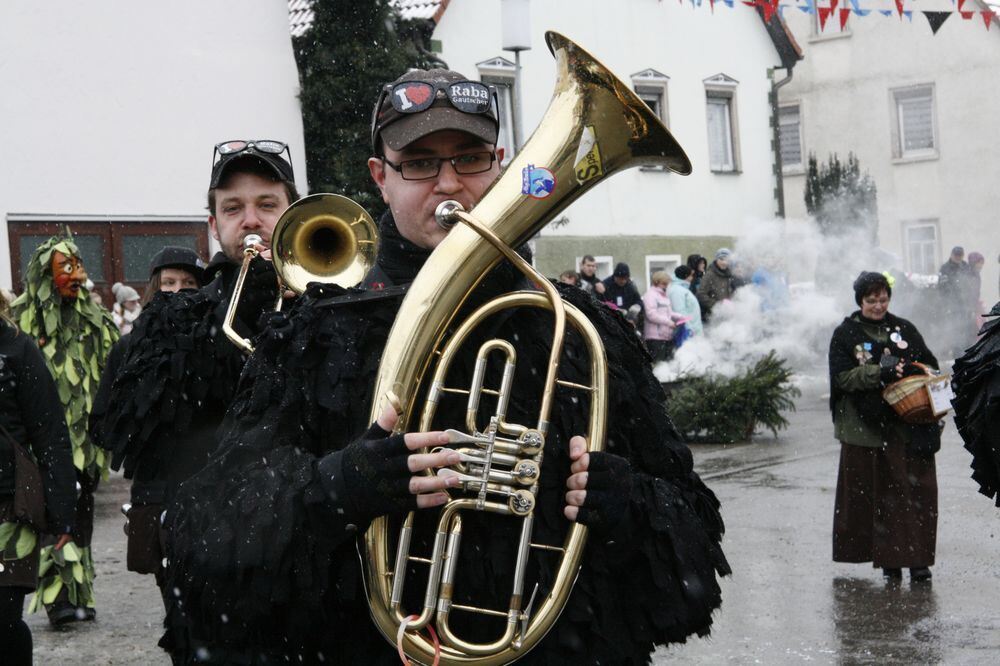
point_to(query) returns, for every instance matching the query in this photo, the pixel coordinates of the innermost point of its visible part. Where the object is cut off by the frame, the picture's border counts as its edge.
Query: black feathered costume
(166, 391)
(265, 556)
(976, 382)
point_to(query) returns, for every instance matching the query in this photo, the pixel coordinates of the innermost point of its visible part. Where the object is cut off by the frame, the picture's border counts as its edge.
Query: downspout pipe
(779, 185)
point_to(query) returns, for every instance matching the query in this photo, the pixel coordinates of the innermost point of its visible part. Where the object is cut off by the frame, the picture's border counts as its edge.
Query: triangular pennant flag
(857, 9)
(936, 19)
(711, 5)
(885, 12)
(965, 15)
(987, 18)
(899, 8)
(809, 7)
(844, 13)
(824, 14)
(909, 15)
(833, 5)
(729, 3)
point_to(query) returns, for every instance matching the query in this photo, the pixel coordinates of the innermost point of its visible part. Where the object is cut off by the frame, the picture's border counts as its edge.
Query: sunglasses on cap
(416, 96)
(266, 148)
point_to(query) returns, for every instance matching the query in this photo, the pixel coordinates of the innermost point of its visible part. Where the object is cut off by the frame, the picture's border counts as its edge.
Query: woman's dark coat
(32, 414)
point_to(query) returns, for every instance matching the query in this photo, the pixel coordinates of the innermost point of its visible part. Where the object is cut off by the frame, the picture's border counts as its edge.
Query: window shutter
(789, 130)
(719, 133)
(916, 122)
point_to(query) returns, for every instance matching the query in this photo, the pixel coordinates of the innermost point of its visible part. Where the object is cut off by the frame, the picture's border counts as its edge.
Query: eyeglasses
(426, 168)
(416, 96)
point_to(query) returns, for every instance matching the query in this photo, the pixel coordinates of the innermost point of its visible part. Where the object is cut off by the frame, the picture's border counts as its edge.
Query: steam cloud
(820, 272)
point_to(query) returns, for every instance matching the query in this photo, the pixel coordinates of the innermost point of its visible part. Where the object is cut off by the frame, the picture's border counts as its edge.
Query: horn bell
(324, 238)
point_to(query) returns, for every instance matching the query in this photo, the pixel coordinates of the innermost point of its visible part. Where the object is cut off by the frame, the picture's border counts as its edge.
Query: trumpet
(320, 238)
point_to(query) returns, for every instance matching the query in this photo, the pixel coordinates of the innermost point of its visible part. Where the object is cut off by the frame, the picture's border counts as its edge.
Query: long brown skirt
(886, 508)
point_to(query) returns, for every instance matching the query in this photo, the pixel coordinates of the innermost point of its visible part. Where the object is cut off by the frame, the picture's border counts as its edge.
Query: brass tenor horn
(319, 238)
(594, 126)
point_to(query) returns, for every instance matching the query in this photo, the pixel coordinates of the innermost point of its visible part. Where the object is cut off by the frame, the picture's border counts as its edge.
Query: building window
(502, 73)
(605, 265)
(790, 133)
(661, 262)
(651, 87)
(921, 246)
(723, 130)
(914, 134)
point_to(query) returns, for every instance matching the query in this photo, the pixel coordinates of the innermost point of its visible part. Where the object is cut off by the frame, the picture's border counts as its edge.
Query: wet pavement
(786, 602)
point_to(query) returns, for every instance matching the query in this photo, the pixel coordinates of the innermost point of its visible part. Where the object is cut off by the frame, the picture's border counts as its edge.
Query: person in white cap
(126, 308)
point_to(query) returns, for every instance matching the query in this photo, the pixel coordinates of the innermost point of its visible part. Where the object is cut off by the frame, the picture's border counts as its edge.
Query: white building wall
(114, 107)
(843, 86)
(688, 45)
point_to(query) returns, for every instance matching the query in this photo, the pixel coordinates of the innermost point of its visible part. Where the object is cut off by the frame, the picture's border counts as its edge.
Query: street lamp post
(516, 37)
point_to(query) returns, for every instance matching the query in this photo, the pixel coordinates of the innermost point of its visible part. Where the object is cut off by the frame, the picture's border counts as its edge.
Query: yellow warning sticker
(588, 163)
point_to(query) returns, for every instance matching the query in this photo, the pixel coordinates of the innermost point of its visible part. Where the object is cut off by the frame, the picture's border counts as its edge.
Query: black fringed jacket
(267, 564)
(977, 405)
(169, 382)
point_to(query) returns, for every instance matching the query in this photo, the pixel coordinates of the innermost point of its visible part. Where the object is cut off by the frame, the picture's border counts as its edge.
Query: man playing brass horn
(170, 380)
(262, 546)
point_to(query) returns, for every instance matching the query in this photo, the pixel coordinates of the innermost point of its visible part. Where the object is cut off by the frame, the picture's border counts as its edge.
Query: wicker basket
(910, 399)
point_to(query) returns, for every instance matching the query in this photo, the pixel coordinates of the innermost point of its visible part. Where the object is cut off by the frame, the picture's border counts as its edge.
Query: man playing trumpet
(171, 379)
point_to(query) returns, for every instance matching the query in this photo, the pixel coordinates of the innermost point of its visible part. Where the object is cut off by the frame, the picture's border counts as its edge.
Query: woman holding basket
(886, 504)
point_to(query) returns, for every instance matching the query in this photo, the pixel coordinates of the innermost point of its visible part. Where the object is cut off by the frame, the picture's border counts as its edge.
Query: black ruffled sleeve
(176, 365)
(976, 382)
(259, 549)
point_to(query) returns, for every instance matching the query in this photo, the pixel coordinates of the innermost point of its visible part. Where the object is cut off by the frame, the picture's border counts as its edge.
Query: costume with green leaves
(74, 337)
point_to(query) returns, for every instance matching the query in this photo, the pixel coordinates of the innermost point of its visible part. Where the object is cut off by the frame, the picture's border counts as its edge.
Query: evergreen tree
(350, 50)
(841, 198)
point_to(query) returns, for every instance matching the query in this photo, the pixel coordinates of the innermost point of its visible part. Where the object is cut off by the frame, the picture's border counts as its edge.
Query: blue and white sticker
(537, 182)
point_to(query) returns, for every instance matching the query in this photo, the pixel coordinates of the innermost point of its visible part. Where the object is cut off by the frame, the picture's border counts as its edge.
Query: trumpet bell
(324, 238)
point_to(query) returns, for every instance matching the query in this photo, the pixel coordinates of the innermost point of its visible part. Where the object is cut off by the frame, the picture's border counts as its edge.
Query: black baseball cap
(274, 162)
(183, 258)
(398, 130)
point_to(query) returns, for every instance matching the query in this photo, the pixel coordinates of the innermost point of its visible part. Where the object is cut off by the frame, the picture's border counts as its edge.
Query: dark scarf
(398, 257)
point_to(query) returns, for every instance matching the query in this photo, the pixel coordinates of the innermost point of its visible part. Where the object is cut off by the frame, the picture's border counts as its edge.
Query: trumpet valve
(521, 502)
(526, 472)
(531, 442)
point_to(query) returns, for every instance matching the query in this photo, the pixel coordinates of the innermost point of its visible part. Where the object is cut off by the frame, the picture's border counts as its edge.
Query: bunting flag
(844, 13)
(842, 10)
(856, 8)
(936, 19)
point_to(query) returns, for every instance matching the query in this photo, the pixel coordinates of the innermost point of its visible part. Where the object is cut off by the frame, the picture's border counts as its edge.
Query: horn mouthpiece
(445, 213)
